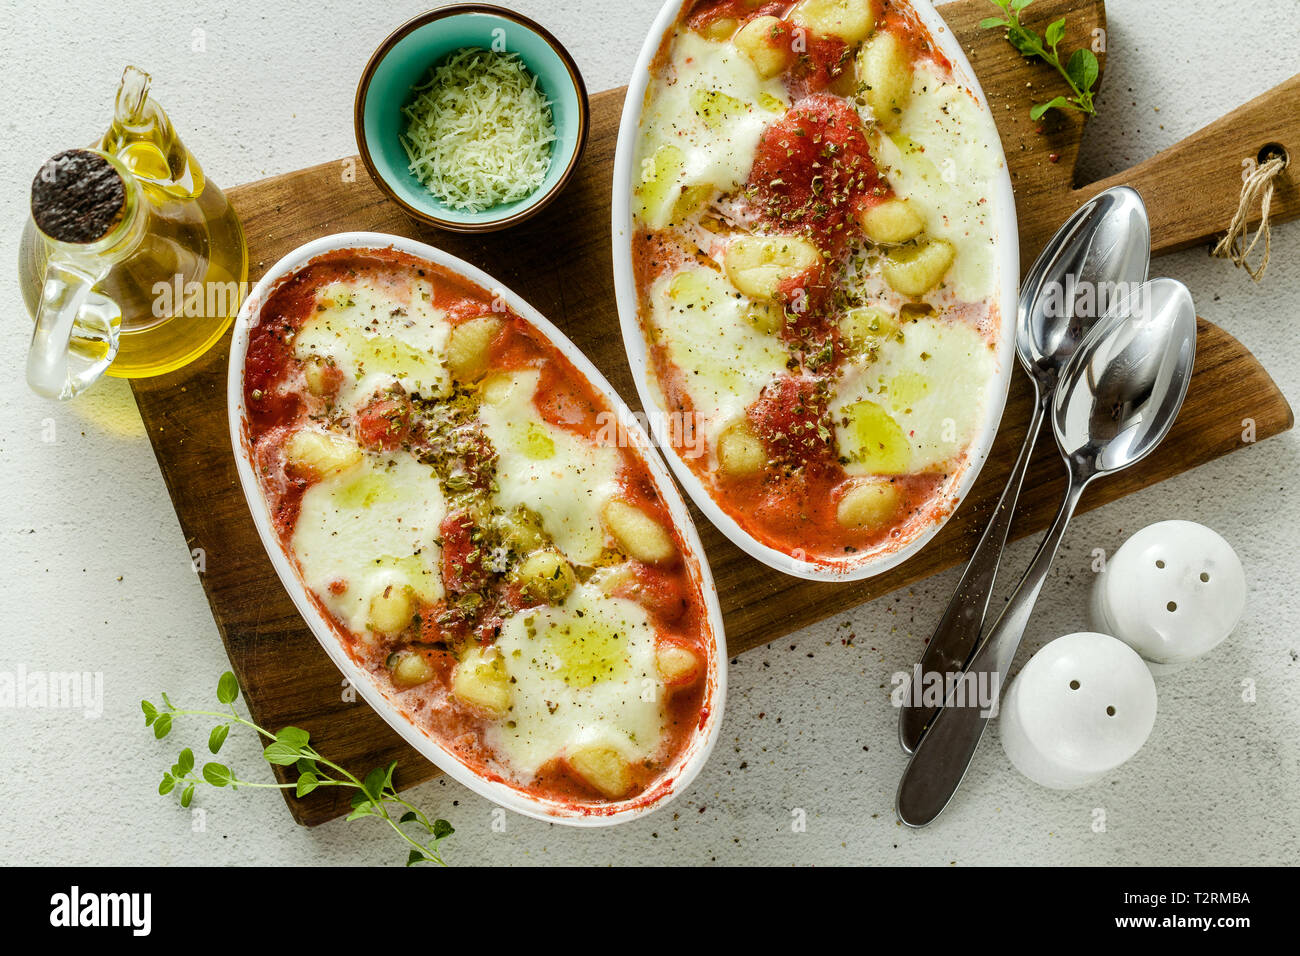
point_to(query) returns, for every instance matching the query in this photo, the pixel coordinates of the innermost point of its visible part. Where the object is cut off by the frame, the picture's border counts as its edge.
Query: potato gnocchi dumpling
(854, 184)
(915, 270)
(468, 345)
(757, 265)
(480, 680)
(603, 768)
(546, 575)
(637, 534)
(847, 20)
(437, 470)
(740, 451)
(721, 28)
(868, 503)
(411, 669)
(766, 42)
(676, 662)
(884, 72)
(864, 327)
(391, 609)
(891, 221)
(317, 453)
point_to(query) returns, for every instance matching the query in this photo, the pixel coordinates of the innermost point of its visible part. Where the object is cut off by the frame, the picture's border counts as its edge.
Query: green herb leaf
(442, 829)
(1018, 5)
(1059, 102)
(366, 809)
(307, 782)
(415, 857)
(375, 782)
(218, 774)
(294, 737)
(218, 737)
(150, 712)
(167, 785)
(1024, 40)
(227, 688)
(185, 762)
(1055, 32)
(409, 816)
(1083, 69)
(990, 23)
(162, 726)
(187, 796)
(281, 754)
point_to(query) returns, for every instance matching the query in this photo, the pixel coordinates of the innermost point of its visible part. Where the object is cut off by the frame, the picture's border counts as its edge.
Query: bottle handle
(72, 345)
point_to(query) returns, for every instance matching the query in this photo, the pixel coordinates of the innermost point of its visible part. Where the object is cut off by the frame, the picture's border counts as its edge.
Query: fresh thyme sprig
(1081, 70)
(375, 795)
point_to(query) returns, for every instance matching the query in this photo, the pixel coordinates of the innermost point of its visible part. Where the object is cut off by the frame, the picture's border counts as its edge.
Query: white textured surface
(98, 576)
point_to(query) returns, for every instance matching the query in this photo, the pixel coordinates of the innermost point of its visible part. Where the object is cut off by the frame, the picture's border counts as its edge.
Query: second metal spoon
(1101, 252)
(1118, 398)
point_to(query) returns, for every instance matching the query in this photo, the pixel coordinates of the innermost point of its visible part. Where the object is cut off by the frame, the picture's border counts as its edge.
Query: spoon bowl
(1128, 380)
(1096, 260)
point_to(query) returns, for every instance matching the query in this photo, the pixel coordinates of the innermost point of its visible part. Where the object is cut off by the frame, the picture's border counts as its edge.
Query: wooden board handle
(1193, 187)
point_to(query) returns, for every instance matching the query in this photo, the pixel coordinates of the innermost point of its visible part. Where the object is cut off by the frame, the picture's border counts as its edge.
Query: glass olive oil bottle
(132, 263)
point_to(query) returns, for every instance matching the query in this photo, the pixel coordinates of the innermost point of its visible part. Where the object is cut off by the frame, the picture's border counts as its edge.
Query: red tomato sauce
(277, 402)
(813, 169)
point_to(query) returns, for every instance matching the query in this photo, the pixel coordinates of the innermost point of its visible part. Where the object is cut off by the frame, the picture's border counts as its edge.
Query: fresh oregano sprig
(1081, 70)
(375, 795)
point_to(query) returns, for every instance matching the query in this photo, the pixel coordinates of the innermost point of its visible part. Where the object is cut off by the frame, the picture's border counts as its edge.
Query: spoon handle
(937, 767)
(954, 640)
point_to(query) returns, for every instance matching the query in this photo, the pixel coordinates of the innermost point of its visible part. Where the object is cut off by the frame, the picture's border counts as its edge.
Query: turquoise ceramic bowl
(404, 60)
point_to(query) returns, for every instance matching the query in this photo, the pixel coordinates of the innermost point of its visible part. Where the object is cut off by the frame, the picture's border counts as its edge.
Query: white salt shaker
(1083, 705)
(1172, 592)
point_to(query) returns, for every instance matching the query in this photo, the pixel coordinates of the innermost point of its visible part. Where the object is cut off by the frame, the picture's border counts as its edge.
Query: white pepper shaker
(1082, 706)
(1172, 592)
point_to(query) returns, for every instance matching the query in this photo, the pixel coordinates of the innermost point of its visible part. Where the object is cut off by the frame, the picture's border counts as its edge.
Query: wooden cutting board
(560, 261)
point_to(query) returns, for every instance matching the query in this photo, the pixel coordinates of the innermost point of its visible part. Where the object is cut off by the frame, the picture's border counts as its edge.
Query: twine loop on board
(1257, 184)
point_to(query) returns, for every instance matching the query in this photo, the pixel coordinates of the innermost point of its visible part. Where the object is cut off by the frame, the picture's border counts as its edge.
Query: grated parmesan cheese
(479, 131)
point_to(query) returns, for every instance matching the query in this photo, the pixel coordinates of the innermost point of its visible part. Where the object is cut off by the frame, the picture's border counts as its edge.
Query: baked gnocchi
(813, 247)
(503, 568)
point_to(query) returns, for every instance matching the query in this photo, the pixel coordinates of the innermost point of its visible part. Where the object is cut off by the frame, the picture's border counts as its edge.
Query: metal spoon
(1101, 253)
(1117, 400)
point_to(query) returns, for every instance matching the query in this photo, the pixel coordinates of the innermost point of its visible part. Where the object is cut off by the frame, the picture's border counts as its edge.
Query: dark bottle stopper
(78, 196)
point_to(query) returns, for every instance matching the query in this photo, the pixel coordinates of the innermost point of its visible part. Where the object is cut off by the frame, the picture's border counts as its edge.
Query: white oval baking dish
(678, 776)
(1008, 265)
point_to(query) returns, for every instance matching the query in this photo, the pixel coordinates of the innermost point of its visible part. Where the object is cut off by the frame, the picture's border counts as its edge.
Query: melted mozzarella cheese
(918, 404)
(376, 342)
(582, 674)
(563, 477)
(372, 525)
(944, 158)
(704, 116)
(724, 361)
